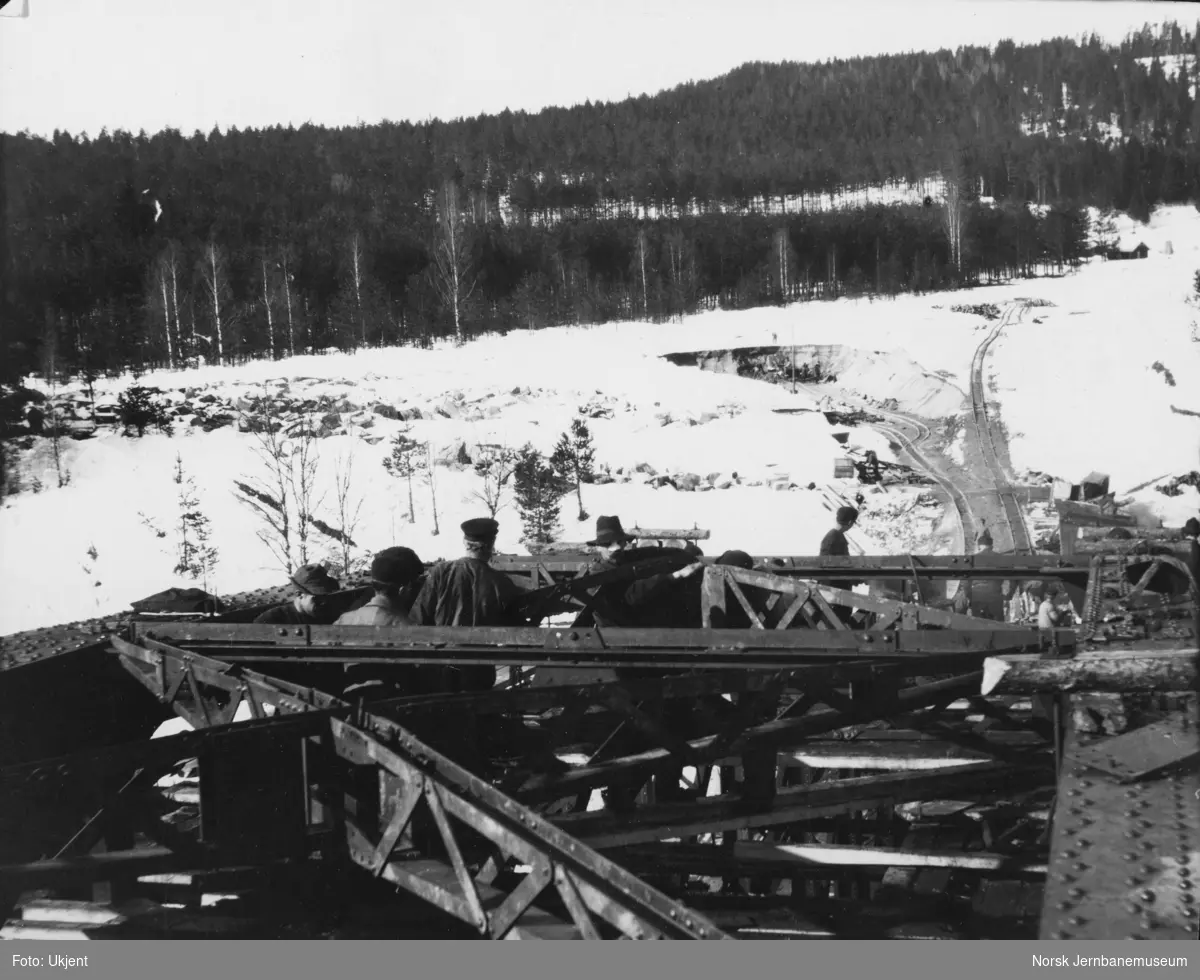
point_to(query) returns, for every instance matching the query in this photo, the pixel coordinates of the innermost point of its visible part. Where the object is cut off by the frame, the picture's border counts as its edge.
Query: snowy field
(1078, 391)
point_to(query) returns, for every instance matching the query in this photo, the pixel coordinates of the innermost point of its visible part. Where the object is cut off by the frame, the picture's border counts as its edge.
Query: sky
(81, 65)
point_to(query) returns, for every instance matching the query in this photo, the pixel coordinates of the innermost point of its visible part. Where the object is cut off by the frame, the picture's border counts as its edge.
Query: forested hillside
(134, 251)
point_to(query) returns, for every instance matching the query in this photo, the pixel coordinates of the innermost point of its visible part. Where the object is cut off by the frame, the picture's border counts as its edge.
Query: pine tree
(538, 489)
(140, 408)
(196, 556)
(573, 459)
(407, 459)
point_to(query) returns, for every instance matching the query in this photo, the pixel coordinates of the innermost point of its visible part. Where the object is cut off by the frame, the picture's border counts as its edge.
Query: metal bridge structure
(848, 764)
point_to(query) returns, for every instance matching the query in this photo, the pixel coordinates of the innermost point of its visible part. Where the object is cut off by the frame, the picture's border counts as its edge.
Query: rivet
(1084, 842)
(1131, 881)
(1187, 898)
(1185, 872)
(1070, 854)
(1080, 866)
(1075, 920)
(1148, 896)
(1189, 913)
(1072, 792)
(1131, 856)
(1132, 834)
(1148, 924)
(1148, 869)
(1062, 906)
(1133, 908)
(1146, 824)
(1185, 885)
(1059, 934)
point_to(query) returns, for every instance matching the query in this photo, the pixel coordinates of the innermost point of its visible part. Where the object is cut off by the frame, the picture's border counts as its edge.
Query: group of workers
(468, 591)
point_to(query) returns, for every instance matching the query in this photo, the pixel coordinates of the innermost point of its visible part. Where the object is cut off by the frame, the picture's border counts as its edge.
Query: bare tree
(954, 209)
(304, 460)
(212, 269)
(54, 420)
(495, 464)
(356, 270)
(349, 506)
(431, 479)
(268, 298)
(451, 269)
(283, 494)
(641, 255)
(285, 262)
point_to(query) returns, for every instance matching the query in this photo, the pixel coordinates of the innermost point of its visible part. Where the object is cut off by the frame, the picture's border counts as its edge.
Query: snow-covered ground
(1075, 382)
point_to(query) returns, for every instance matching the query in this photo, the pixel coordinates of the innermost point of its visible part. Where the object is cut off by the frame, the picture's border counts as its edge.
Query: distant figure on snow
(835, 545)
(308, 608)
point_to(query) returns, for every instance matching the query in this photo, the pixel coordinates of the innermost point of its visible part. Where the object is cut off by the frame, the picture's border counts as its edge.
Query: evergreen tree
(538, 489)
(573, 460)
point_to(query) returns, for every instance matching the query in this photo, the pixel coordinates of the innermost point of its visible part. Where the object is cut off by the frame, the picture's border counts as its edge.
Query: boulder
(687, 481)
(386, 411)
(723, 484)
(644, 468)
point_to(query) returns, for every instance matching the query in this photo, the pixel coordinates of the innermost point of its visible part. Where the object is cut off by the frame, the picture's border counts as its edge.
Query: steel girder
(409, 780)
(1125, 851)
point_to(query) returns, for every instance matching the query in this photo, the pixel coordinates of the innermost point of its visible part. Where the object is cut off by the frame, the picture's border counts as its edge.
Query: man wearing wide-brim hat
(309, 607)
(469, 592)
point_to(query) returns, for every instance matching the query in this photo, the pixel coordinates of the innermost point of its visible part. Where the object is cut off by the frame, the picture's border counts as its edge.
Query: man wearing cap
(309, 608)
(835, 545)
(393, 573)
(469, 592)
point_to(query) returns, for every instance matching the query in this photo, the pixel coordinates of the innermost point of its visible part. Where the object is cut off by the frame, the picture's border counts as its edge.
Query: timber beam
(1107, 671)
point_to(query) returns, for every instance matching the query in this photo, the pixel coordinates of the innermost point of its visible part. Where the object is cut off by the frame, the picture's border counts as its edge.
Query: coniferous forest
(131, 251)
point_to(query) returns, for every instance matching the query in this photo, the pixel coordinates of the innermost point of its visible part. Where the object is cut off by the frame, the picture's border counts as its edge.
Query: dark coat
(466, 592)
(287, 615)
(641, 602)
(835, 545)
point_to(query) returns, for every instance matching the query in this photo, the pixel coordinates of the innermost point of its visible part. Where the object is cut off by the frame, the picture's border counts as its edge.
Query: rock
(207, 399)
(723, 484)
(687, 481)
(705, 486)
(644, 468)
(712, 477)
(330, 422)
(603, 478)
(386, 411)
(708, 417)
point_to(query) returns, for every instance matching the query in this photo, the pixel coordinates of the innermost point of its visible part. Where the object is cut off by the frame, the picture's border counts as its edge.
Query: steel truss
(805, 777)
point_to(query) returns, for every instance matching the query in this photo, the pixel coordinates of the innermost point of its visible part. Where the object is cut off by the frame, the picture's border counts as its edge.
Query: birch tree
(286, 260)
(268, 299)
(214, 277)
(450, 270)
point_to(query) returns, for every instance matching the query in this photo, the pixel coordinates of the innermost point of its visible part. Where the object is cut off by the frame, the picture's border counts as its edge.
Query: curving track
(986, 434)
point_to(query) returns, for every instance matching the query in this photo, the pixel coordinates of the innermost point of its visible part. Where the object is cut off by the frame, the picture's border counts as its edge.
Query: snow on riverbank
(1078, 391)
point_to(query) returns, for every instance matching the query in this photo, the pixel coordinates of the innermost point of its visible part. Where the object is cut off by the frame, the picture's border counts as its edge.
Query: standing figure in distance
(835, 545)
